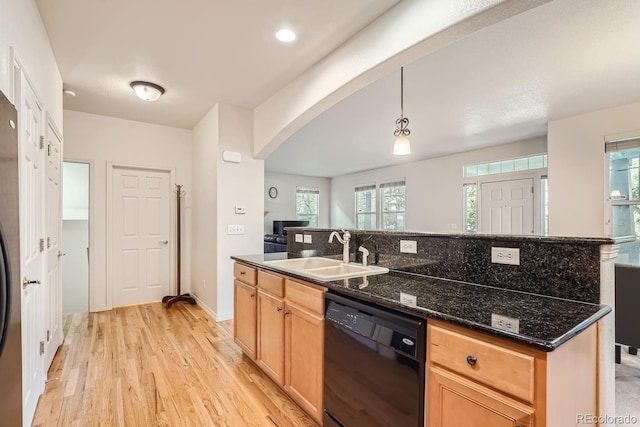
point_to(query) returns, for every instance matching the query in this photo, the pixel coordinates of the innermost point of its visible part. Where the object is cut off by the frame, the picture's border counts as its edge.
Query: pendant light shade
(147, 91)
(402, 145)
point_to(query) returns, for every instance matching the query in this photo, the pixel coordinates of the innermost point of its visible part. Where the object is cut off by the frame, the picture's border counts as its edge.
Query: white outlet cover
(307, 238)
(299, 238)
(408, 299)
(408, 246)
(509, 256)
(505, 323)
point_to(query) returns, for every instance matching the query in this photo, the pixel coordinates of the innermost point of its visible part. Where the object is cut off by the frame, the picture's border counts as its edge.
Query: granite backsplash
(560, 267)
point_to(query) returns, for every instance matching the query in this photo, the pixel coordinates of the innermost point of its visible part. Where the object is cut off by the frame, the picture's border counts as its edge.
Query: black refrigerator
(10, 327)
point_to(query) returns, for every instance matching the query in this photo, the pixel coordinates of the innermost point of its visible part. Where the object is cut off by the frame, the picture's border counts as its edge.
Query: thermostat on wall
(241, 210)
(231, 156)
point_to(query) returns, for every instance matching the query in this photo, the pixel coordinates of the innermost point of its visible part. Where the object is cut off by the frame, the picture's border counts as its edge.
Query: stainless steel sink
(326, 269)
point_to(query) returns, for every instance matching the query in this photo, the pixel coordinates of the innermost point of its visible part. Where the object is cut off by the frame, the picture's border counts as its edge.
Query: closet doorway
(75, 237)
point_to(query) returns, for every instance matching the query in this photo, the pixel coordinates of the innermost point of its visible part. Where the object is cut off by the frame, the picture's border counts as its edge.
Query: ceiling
(203, 52)
(503, 83)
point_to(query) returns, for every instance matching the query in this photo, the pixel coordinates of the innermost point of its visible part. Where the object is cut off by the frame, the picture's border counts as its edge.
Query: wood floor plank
(148, 366)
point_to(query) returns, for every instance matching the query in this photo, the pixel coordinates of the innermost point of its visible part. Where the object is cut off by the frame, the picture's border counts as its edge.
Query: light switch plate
(505, 323)
(235, 229)
(299, 238)
(307, 238)
(408, 299)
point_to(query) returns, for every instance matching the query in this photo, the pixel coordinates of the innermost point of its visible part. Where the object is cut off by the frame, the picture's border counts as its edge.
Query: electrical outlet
(307, 238)
(235, 229)
(408, 299)
(505, 256)
(505, 323)
(299, 238)
(409, 246)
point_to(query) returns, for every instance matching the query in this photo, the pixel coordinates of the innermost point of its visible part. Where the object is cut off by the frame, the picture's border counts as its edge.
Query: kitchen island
(534, 366)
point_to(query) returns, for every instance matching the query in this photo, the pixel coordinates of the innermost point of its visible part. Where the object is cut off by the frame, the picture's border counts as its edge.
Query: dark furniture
(277, 242)
(627, 308)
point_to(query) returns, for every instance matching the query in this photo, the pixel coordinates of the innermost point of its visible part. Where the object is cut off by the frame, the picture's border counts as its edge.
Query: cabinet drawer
(506, 370)
(271, 283)
(244, 273)
(306, 296)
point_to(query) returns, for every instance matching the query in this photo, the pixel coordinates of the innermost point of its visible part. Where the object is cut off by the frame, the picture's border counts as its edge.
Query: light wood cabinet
(244, 325)
(304, 346)
(244, 307)
(474, 379)
(271, 335)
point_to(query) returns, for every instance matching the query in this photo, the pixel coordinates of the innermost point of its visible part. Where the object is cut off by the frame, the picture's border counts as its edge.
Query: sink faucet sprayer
(344, 240)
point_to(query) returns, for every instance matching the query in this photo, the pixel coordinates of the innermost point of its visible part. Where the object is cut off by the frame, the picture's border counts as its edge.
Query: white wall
(21, 28)
(283, 207)
(204, 262)
(220, 186)
(238, 184)
(100, 140)
(577, 169)
(434, 186)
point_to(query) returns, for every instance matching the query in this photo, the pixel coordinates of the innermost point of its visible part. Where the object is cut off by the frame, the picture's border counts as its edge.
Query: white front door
(507, 207)
(31, 246)
(53, 286)
(140, 235)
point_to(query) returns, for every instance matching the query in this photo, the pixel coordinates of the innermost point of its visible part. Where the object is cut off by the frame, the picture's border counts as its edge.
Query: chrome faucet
(365, 254)
(344, 240)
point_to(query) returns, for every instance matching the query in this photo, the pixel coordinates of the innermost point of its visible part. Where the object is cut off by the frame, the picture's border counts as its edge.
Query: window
(624, 195)
(544, 209)
(308, 205)
(470, 207)
(538, 161)
(366, 207)
(393, 201)
(381, 206)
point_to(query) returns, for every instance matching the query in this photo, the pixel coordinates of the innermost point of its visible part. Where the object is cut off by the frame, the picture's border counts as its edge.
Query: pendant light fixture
(147, 91)
(402, 145)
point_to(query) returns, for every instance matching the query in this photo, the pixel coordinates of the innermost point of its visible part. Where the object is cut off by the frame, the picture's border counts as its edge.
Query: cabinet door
(270, 355)
(244, 324)
(304, 349)
(454, 401)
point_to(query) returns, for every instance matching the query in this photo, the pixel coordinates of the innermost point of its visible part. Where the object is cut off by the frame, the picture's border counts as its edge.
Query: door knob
(61, 254)
(164, 242)
(26, 282)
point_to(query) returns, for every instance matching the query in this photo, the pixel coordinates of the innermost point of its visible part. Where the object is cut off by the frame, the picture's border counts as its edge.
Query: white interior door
(507, 207)
(32, 246)
(140, 230)
(53, 286)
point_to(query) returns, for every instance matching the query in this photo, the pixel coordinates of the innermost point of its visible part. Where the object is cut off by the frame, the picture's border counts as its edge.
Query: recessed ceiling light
(285, 35)
(69, 92)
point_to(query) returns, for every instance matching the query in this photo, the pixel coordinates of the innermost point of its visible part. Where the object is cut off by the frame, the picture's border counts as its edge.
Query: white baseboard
(210, 312)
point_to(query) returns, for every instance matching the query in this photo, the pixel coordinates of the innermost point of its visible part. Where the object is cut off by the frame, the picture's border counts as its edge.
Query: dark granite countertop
(544, 322)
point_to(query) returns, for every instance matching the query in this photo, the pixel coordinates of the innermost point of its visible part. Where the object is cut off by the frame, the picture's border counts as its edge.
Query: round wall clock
(273, 192)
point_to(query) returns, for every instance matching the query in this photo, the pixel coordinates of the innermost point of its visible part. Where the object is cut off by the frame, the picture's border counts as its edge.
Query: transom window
(519, 164)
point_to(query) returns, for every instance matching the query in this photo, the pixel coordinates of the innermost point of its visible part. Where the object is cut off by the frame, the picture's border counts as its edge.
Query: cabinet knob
(471, 360)
(253, 295)
(286, 312)
(279, 308)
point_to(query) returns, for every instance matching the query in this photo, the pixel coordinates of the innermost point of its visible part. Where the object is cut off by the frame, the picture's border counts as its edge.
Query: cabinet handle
(471, 360)
(242, 273)
(253, 295)
(286, 312)
(279, 308)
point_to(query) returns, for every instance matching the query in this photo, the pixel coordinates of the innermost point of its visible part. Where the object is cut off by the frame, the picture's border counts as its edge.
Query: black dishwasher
(374, 365)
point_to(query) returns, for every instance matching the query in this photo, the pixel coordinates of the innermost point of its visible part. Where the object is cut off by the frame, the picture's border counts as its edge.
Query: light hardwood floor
(148, 366)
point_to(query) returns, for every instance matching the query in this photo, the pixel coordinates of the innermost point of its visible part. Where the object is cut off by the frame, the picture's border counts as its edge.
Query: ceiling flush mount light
(286, 36)
(147, 91)
(69, 92)
(402, 145)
